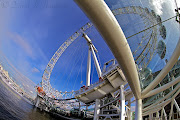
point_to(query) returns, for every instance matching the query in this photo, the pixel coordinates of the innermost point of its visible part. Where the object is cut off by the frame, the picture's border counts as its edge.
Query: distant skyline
(31, 32)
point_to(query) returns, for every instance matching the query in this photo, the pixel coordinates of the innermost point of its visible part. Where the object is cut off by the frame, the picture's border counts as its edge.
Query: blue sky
(31, 32)
(30, 36)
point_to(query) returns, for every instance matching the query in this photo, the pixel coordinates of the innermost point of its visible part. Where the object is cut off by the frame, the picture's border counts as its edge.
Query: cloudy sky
(32, 30)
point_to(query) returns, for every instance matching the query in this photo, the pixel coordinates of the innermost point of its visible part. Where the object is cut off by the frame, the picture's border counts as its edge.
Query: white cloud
(22, 42)
(35, 70)
(178, 3)
(25, 54)
(157, 6)
(29, 48)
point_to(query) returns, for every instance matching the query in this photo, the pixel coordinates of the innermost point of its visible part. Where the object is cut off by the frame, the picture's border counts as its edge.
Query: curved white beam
(166, 102)
(164, 71)
(162, 88)
(107, 25)
(158, 108)
(165, 97)
(152, 111)
(159, 105)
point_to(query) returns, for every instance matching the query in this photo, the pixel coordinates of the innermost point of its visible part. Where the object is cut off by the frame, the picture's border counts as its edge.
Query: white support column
(165, 115)
(96, 62)
(88, 74)
(161, 114)
(171, 112)
(123, 112)
(129, 110)
(37, 101)
(177, 107)
(96, 109)
(157, 115)
(131, 115)
(150, 116)
(138, 112)
(92, 47)
(79, 113)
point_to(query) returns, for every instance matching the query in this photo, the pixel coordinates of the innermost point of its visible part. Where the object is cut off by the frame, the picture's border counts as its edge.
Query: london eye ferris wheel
(74, 51)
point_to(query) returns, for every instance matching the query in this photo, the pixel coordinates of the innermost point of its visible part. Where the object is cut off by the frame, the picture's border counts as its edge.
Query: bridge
(123, 81)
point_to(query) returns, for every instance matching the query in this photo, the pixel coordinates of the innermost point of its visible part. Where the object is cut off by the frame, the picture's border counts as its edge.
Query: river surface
(14, 107)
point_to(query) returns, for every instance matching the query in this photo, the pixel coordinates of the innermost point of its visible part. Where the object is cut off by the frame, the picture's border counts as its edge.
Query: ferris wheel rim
(47, 72)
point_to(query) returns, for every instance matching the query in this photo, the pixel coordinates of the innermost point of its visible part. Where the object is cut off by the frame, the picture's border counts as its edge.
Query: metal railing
(92, 86)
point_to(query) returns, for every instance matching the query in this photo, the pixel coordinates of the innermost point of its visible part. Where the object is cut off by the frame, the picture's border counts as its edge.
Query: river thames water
(13, 107)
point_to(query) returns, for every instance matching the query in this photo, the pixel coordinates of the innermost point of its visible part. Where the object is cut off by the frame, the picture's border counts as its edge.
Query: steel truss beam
(162, 88)
(161, 100)
(162, 105)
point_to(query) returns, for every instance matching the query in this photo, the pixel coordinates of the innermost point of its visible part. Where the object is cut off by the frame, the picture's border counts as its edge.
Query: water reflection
(13, 107)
